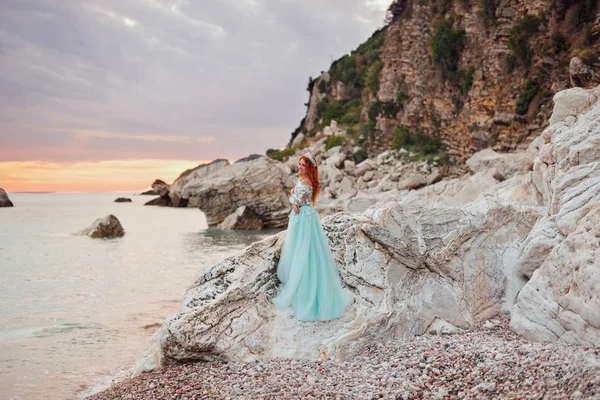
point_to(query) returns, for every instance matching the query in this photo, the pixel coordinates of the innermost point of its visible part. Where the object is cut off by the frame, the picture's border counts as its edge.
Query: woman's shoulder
(306, 182)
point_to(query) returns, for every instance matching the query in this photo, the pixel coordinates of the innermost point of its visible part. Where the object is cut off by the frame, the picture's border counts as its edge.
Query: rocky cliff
(446, 79)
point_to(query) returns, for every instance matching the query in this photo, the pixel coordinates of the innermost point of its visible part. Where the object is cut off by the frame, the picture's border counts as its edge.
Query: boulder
(123, 200)
(580, 74)
(405, 266)
(189, 175)
(4, 200)
(107, 227)
(242, 219)
(413, 180)
(571, 102)
(262, 184)
(363, 167)
(507, 165)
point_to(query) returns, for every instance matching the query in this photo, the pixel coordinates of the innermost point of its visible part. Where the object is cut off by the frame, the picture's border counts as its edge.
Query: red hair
(312, 173)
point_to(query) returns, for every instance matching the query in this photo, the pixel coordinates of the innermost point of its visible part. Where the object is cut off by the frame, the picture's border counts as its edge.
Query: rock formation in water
(107, 227)
(190, 175)
(261, 185)
(161, 189)
(4, 200)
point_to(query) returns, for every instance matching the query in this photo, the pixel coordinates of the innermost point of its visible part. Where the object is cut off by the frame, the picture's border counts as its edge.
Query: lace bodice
(302, 194)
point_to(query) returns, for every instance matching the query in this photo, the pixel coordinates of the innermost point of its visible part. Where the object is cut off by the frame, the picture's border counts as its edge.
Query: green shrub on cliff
(416, 141)
(559, 43)
(333, 111)
(531, 89)
(360, 156)
(345, 70)
(322, 86)
(362, 67)
(588, 56)
(374, 110)
(279, 155)
(447, 45)
(466, 79)
(373, 75)
(488, 11)
(333, 141)
(518, 41)
(402, 138)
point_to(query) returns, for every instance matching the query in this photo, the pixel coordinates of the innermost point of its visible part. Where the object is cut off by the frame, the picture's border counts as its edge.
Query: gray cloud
(222, 78)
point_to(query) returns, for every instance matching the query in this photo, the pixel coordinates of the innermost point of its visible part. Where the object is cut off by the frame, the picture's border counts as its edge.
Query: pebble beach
(489, 363)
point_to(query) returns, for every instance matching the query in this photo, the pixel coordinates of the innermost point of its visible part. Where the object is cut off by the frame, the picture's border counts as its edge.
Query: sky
(108, 95)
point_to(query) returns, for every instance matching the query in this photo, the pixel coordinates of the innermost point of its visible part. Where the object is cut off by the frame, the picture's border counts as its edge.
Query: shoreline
(484, 363)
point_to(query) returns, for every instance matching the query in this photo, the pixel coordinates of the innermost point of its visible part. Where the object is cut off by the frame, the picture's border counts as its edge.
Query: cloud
(172, 79)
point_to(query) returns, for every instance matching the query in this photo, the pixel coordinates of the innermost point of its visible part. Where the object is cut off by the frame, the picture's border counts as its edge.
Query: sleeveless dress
(311, 288)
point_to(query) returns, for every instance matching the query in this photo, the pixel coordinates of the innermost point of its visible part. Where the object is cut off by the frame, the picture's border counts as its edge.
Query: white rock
(261, 184)
(336, 159)
(349, 167)
(560, 302)
(441, 327)
(405, 267)
(368, 176)
(507, 165)
(200, 172)
(366, 165)
(571, 102)
(453, 192)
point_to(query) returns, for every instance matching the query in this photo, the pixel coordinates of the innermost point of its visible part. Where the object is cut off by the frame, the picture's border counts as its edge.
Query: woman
(311, 288)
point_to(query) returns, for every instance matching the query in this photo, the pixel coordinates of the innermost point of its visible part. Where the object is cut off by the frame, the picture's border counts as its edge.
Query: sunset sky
(108, 95)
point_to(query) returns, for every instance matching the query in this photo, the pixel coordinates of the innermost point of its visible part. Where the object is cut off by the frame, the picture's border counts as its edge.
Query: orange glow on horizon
(89, 176)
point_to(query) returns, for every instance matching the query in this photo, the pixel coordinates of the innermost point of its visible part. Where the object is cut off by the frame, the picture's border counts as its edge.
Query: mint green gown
(311, 288)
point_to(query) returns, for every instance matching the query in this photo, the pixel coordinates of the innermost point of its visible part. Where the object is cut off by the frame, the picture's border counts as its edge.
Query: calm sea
(76, 311)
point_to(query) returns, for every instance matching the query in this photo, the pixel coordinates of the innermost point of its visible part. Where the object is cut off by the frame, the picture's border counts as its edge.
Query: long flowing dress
(311, 288)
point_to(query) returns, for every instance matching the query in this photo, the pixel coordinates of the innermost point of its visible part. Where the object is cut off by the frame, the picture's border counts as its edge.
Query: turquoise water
(76, 310)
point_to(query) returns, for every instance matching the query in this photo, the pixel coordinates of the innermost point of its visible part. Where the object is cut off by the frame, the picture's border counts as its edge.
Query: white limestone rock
(261, 184)
(363, 167)
(200, 172)
(454, 192)
(518, 189)
(561, 302)
(561, 252)
(405, 266)
(507, 165)
(571, 102)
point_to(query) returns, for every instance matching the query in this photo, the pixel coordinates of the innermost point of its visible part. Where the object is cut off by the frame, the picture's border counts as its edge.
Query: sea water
(76, 310)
